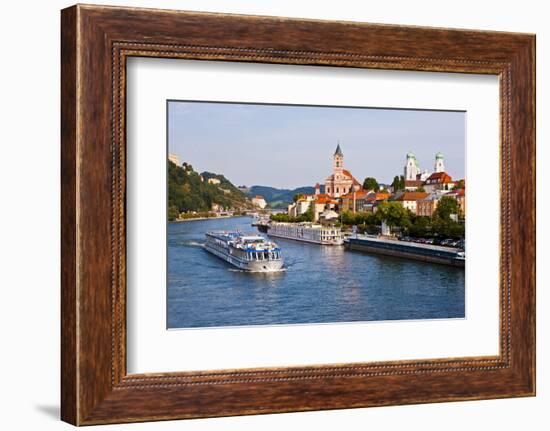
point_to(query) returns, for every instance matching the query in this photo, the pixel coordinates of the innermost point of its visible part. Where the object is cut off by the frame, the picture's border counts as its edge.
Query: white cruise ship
(248, 252)
(308, 232)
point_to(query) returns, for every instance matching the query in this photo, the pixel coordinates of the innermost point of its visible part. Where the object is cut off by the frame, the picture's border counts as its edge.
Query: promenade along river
(320, 284)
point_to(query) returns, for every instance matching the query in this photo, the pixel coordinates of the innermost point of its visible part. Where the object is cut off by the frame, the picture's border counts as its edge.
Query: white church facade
(412, 172)
(341, 181)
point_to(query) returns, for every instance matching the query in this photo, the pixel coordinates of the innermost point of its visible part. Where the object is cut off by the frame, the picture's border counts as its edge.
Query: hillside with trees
(278, 198)
(189, 191)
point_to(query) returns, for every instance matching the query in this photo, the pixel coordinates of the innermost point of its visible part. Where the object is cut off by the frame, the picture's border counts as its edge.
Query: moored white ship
(308, 232)
(247, 252)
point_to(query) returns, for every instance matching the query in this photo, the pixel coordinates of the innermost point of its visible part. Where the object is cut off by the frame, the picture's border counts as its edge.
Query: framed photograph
(264, 214)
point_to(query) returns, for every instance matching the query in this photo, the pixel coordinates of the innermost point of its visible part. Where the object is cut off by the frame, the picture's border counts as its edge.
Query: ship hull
(251, 266)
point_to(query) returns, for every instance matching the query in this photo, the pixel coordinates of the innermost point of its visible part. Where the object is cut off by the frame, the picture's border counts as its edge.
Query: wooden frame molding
(95, 43)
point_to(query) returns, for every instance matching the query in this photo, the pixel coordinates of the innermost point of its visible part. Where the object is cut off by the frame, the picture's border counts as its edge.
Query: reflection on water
(320, 284)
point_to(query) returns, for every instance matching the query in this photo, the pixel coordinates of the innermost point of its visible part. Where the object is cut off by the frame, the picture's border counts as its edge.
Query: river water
(320, 284)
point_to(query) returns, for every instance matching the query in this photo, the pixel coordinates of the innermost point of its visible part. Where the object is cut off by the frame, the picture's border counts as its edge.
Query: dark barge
(408, 250)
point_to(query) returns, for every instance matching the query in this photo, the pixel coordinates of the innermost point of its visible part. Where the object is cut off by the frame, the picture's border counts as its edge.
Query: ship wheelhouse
(254, 255)
(252, 252)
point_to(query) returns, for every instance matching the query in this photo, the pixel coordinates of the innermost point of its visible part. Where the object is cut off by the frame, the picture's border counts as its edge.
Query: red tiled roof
(439, 177)
(378, 196)
(359, 194)
(348, 173)
(459, 192)
(413, 183)
(412, 196)
(323, 198)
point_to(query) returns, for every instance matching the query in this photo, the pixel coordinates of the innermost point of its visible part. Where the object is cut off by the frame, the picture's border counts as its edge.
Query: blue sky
(288, 146)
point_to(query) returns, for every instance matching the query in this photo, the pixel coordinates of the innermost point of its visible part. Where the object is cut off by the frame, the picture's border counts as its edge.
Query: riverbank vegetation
(205, 215)
(446, 221)
(194, 216)
(285, 218)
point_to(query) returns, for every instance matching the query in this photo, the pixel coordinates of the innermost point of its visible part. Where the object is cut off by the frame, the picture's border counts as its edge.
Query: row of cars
(445, 242)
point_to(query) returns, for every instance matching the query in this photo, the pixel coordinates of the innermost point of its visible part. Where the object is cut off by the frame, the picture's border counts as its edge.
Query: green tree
(284, 217)
(445, 207)
(393, 214)
(307, 216)
(398, 183)
(395, 183)
(459, 185)
(188, 192)
(448, 228)
(298, 196)
(420, 227)
(442, 224)
(173, 213)
(370, 183)
(347, 218)
(281, 217)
